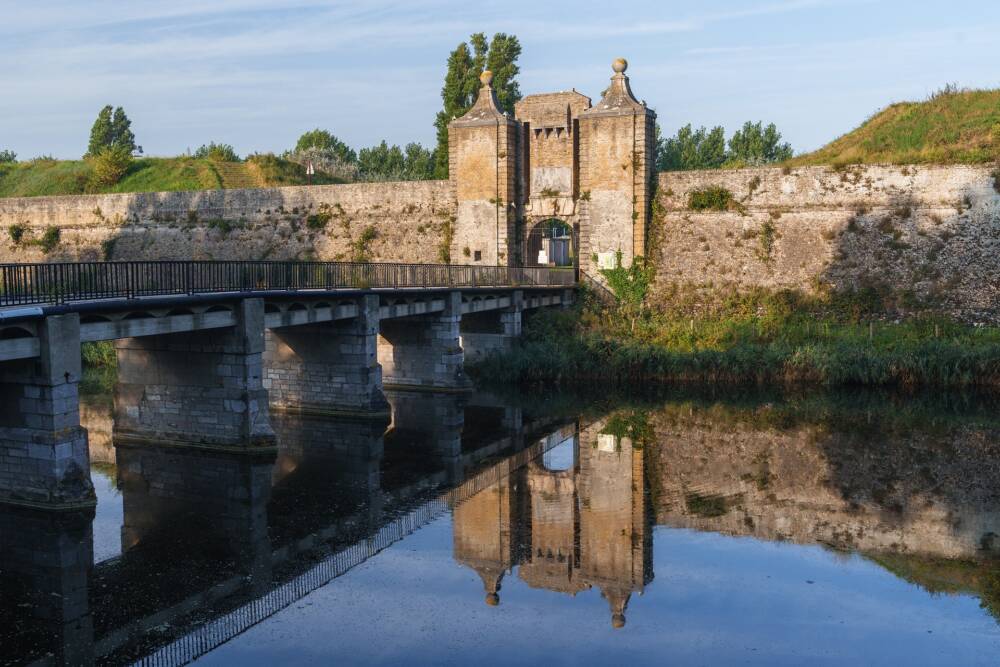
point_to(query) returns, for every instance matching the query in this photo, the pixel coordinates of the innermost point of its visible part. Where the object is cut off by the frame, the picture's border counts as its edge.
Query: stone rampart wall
(927, 236)
(407, 222)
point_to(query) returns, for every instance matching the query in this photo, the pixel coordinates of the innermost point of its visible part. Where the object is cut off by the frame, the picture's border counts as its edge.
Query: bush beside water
(760, 339)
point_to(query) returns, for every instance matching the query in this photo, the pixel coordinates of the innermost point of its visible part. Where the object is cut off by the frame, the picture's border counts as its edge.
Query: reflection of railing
(219, 631)
(84, 281)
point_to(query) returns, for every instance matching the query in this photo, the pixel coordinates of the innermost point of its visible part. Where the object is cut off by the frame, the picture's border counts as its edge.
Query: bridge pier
(425, 351)
(327, 369)
(43, 449)
(492, 331)
(202, 388)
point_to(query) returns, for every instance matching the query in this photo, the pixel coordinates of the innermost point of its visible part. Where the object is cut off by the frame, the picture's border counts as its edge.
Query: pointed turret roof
(486, 110)
(618, 98)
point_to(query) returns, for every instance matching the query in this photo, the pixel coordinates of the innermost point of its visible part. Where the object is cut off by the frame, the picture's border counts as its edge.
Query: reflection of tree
(950, 576)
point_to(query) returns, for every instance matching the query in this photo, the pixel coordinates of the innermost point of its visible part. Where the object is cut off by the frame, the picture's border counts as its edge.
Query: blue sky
(257, 73)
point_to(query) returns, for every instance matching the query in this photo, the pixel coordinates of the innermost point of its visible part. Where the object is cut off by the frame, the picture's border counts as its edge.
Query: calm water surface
(837, 529)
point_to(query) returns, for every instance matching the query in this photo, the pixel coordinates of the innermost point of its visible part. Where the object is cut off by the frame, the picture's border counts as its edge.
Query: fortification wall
(923, 236)
(408, 222)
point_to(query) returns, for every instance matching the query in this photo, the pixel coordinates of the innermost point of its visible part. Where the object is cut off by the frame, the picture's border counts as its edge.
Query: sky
(258, 73)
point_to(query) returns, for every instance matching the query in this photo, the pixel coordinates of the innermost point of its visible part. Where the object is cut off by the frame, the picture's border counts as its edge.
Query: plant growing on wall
(49, 240)
(16, 232)
(630, 286)
(361, 246)
(712, 198)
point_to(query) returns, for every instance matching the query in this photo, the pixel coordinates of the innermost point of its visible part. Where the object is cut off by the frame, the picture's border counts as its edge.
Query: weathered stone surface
(930, 233)
(198, 388)
(327, 368)
(43, 450)
(322, 222)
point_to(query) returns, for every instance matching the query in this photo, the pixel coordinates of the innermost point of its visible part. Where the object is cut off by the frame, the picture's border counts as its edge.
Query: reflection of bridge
(254, 533)
(206, 349)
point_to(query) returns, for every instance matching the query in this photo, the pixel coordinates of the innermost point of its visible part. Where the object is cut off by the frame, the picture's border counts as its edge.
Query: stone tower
(482, 162)
(563, 183)
(616, 172)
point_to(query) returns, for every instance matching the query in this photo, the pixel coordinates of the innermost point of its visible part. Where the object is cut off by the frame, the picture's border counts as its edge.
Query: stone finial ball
(619, 65)
(492, 599)
(618, 621)
(486, 77)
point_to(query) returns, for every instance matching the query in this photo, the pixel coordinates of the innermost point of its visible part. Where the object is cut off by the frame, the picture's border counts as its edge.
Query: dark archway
(550, 242)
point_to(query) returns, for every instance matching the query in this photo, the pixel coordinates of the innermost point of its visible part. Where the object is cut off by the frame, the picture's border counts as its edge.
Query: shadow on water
(561, 491)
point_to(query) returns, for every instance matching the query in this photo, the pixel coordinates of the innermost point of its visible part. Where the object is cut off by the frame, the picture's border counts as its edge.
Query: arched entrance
(550, 243)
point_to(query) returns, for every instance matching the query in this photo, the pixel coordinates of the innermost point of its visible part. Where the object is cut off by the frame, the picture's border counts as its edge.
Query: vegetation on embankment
(952, 127)
(758, 338)
(43, 176)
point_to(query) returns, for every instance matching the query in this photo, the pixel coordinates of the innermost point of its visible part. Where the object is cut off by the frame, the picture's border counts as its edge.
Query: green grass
(953, 127)
(71, 177)
(758, 339)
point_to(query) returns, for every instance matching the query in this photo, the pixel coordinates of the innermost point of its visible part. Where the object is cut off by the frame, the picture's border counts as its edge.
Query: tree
(691, 149)
(112, 129)
(121, 132)
(101, 132)
(392, 163)
(8, 157)
(325, 141)
(461, 83)
(756, 145)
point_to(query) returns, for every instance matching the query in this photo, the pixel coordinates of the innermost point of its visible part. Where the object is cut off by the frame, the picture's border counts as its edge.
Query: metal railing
(24, 284)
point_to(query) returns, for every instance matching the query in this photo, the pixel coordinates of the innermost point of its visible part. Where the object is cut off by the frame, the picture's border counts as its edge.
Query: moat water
(691, 529)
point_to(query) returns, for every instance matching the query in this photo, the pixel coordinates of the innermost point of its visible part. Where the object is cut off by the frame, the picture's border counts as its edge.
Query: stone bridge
(206, 350)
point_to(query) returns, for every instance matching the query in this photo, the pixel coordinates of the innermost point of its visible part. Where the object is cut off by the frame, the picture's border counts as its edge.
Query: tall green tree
(755, 144)
(323, 140)
(461, 83)
(101, 131)
(112, 129)
(691, 149)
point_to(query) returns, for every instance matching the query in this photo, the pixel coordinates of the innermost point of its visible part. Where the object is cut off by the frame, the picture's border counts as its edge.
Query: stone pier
(492, 331)
(327, 369)
(202, 388)
(43, 449)
(425, 351)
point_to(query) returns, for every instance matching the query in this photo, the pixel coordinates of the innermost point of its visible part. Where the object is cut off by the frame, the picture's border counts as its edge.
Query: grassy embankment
(44, 177)
(757, 338)
(952, 127)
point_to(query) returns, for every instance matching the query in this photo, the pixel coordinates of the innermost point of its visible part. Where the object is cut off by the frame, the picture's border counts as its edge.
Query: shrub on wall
(16, 232)
(49, 240)
(712, 198)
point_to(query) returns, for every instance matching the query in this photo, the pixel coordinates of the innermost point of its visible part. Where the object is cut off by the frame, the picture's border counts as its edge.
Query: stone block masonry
(329, 368)
(43, 449)
(200, 388)
(411, 222)
(923, 236)
(425, 351)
